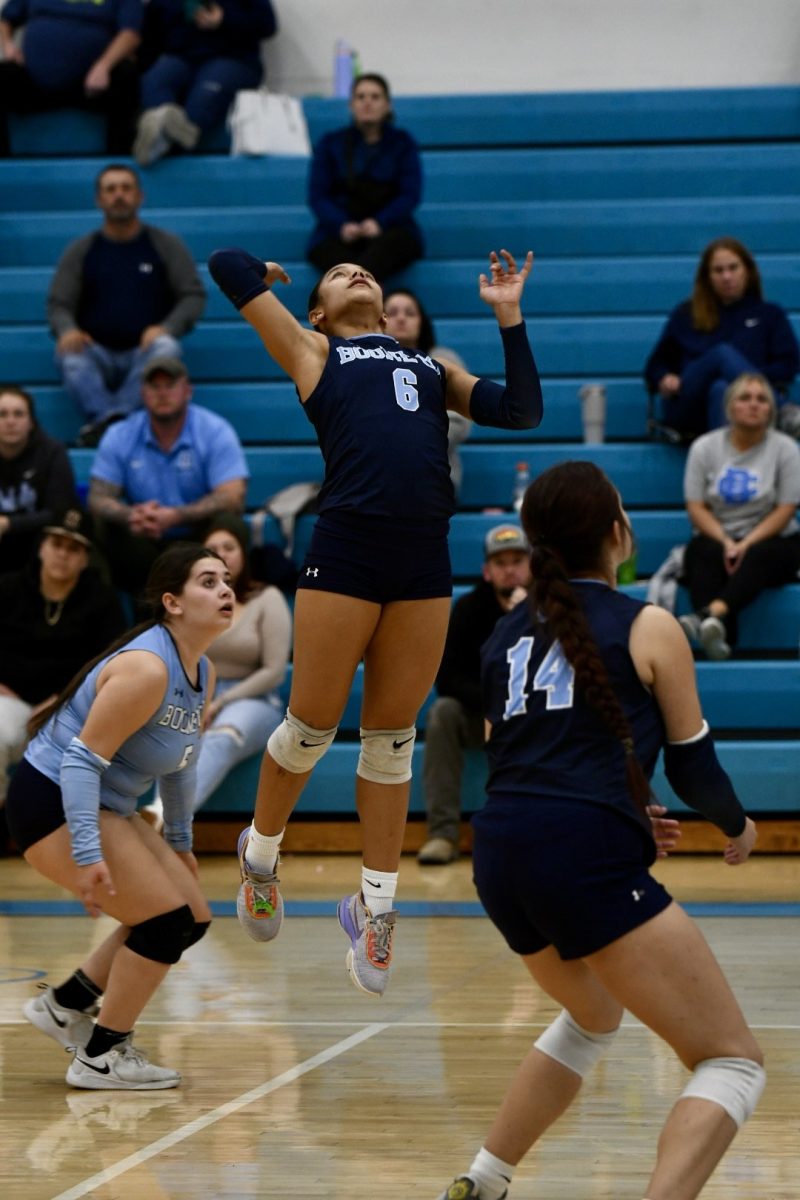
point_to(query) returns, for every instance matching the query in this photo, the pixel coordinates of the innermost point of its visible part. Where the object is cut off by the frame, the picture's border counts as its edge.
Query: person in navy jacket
(365, 182)
(724, 330)
(72, 52)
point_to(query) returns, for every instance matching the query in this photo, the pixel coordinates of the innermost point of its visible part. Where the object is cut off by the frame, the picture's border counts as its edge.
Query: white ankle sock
(492, 1175)
(378, 889)
(261, 854)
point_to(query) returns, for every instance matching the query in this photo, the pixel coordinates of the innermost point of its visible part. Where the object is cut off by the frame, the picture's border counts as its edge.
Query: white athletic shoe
(67, 1026)
(124, 1068)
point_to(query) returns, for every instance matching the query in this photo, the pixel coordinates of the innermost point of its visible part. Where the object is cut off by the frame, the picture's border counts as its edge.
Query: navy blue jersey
(381, 420)
(546, 740)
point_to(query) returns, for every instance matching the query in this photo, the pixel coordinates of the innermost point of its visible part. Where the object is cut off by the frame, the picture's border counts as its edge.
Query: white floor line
(218, 1114)
(169, 1022)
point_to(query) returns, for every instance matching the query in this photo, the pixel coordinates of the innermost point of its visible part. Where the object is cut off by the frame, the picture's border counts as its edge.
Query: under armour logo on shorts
(312, 571)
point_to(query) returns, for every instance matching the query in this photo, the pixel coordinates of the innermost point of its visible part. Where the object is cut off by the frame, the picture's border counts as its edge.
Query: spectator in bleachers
(35, 478)
(454, 723)
(407, 320)
(742, 488)
(161, 474)
(250, 659)
(57, 614)
(723, 330)
(119, 298)
(365, 183)
(72, 53)
(209, 50)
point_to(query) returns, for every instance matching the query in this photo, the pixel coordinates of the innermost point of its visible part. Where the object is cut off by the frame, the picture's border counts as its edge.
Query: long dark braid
(568, 512)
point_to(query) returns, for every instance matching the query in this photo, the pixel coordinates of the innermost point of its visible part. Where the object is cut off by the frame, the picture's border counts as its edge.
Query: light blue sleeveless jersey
(167, 744)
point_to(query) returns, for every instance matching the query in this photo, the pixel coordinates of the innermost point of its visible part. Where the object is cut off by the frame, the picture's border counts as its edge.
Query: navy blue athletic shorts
(563, 873)
(378, 560)
(34, 807)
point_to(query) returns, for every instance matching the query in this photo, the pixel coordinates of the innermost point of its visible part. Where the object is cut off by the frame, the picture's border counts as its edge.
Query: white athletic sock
(491, 1174)
(378, 889)
(261, 854)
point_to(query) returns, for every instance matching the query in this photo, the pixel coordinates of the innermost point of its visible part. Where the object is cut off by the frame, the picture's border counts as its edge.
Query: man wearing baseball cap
(454, 722)
(57, 614)
(162, 473)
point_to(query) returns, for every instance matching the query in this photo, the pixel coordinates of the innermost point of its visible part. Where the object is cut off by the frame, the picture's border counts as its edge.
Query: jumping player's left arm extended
(519, 404)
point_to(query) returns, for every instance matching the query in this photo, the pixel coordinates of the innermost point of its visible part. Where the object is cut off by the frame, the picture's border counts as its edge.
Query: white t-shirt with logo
(741, 487)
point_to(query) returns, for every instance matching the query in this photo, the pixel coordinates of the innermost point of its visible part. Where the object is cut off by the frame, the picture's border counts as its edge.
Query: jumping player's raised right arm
(246, 281)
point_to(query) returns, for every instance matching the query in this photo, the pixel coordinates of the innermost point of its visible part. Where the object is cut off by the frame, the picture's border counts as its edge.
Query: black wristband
(239, 275)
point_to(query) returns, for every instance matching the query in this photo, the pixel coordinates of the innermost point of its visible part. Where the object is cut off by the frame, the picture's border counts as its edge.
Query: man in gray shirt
(120, 297)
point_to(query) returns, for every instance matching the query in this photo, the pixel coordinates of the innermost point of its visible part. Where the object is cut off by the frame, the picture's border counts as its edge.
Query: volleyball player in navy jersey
(376, 583)
(583, 687)
(131, 716)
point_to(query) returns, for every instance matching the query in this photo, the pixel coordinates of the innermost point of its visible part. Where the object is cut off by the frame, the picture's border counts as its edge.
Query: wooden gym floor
(297, 1086)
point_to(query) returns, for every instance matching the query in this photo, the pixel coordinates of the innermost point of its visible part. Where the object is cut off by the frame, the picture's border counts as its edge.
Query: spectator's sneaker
(259, 905)
(178, 128)
(124, 1068)
(369, 958)
(690, 624)
(714, 639)
(153, 813)
(437, 851)
(151, 142)
(464, 1188)
(67, 1026)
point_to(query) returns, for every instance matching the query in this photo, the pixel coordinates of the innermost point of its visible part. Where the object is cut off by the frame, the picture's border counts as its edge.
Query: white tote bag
(263, 122)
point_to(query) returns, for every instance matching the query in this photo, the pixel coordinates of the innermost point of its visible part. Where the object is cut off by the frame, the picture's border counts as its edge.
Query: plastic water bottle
(343, 59)
(522, 478)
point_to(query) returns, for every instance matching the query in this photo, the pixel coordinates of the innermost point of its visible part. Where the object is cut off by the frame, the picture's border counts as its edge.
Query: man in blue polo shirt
(162, 474)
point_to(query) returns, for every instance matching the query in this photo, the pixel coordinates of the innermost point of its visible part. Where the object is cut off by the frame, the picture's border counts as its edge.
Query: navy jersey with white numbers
(546, 740)
(381, 420)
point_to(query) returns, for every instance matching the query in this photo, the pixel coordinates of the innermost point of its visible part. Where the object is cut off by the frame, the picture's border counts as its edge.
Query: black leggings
(382, 256)
(770, 563)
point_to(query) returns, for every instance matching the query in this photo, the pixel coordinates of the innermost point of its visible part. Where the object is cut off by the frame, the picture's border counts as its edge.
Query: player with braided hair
(583, 688)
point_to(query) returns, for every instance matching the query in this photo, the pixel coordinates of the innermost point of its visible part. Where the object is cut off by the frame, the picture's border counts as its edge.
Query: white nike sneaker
(124, 1068)
(67, 1026)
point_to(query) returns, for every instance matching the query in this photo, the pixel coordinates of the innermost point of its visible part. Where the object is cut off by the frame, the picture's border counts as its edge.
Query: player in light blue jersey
(376, 583)
(132, 716)
(583, 688)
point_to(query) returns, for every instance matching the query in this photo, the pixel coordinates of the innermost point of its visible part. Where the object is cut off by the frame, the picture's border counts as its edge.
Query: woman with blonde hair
(723, 330)
(742, 488)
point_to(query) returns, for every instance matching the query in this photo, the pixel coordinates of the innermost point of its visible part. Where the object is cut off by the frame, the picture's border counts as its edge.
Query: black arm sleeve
(518, 405)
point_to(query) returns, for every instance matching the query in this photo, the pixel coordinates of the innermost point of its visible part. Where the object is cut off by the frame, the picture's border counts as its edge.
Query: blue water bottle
(342, 68)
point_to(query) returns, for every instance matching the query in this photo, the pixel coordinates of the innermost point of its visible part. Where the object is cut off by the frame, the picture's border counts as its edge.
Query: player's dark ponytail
(567, 513)
(168, 573)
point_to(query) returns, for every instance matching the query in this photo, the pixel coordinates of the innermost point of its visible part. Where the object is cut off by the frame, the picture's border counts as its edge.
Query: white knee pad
(735, 1084)
(386, 755)
(572, 1046)
(297, 747)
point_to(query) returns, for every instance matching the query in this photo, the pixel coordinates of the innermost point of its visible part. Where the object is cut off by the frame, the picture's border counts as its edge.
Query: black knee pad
(199, 930)
(163, 938)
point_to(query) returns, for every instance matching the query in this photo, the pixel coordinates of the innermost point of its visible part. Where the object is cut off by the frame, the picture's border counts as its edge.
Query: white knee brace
(571, 1045)
(297, 747)
(386, 755)
(735, 1084)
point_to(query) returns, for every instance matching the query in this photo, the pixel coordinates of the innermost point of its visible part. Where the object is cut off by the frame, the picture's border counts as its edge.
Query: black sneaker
(89, 435)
